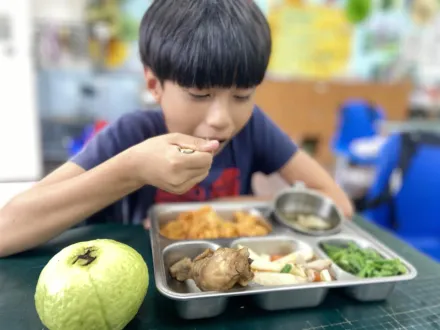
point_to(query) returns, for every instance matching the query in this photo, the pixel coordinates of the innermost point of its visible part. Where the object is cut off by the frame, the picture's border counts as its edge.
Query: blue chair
(76, 144)
(357, 119)
(405, 195)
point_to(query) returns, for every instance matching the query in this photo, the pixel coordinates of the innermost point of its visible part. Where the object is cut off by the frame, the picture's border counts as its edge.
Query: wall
(60, 94)
(19, 130)
(395, 40)
(58, 10)
(308, 109)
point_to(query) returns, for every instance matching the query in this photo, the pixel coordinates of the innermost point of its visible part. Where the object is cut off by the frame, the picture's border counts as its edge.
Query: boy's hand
(159, 162)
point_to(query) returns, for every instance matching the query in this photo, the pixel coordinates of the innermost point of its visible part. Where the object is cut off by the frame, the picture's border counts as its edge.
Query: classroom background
(350, 81)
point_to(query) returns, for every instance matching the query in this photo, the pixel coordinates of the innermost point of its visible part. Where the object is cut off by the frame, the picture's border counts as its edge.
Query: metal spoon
(185, 150)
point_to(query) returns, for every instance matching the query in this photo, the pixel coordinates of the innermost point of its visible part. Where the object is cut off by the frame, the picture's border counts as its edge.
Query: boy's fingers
(197, 160)
(209, 146)
(185, 141)
(197, 179)
(188, 143)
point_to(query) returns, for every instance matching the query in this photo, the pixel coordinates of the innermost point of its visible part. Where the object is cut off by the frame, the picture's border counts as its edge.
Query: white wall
(20, 150)
(59, 10)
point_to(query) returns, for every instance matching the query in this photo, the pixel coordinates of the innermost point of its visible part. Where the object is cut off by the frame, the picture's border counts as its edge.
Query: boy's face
(215, 114)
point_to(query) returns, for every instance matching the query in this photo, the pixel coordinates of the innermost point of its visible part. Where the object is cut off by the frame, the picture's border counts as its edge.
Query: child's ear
(153, 84)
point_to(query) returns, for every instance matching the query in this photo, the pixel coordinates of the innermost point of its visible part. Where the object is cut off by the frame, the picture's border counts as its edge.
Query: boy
(203, 60)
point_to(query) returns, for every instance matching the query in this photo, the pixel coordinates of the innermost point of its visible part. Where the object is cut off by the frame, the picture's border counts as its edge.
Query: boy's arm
(61, 201)
(58, 201)
(276, 152)
(302, 167)
(72, 194)
(112, 165)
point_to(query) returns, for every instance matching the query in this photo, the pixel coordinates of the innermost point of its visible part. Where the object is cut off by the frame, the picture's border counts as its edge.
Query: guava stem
(86, 256)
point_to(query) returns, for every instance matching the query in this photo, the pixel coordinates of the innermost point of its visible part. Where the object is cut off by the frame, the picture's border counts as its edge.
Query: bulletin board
(310, 41)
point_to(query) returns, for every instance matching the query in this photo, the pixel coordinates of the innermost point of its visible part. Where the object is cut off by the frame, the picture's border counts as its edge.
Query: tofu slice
(292, 258)
(266, 266)
(271, 279)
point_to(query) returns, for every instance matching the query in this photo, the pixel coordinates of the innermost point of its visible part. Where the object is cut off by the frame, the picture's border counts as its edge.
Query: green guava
(98, 284)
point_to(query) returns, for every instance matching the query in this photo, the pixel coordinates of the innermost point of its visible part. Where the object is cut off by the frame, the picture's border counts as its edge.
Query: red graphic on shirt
(227, 184)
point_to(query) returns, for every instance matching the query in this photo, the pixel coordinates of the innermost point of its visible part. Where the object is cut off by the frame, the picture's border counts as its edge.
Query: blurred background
(347, 79)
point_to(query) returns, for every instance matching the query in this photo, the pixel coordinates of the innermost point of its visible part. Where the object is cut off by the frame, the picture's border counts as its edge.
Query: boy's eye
(242, 97)
(200, 96)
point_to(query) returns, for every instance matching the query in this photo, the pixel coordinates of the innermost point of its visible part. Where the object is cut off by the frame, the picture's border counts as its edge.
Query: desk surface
(414, 305)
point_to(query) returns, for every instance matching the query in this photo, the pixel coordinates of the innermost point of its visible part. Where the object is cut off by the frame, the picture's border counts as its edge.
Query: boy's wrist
(128, 169)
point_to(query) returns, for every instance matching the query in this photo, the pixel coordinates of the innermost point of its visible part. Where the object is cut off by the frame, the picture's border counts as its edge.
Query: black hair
(206, 43)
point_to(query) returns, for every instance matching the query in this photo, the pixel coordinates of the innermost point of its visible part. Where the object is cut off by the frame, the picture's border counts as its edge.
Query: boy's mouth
(220, 141)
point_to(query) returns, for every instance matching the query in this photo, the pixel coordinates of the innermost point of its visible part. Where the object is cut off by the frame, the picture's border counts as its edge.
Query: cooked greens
(365, 263)
(286, 269)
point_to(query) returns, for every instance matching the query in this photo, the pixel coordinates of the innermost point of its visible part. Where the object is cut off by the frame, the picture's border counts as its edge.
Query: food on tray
(307, 221)
(205, 223)
(218, 270)
(222, 269)
(294, 268)
(363, 262)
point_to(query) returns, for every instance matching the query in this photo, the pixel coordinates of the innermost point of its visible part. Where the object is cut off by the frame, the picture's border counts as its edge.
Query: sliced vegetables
(294, 268)
(275, 257)
(365, 263)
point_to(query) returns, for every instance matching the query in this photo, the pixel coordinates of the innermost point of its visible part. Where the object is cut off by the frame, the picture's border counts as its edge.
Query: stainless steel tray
(195, 304)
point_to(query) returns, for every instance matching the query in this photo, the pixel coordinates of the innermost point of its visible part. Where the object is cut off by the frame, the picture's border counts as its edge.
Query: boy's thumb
(208, 146)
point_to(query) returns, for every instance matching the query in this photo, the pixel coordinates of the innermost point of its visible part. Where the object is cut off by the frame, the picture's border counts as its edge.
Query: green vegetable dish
(365, 263)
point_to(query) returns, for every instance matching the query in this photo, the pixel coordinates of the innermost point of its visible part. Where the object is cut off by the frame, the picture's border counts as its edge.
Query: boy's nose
(218, 117)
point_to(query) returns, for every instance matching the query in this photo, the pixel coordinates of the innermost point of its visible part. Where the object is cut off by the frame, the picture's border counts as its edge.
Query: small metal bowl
(297, 201)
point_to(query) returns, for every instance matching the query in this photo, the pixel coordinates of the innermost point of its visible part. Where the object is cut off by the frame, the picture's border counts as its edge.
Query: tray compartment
(273, 245)
(177, 251)
(290, 298)
(366, 288)
(201, 308)
(227, 212)
(204, 307)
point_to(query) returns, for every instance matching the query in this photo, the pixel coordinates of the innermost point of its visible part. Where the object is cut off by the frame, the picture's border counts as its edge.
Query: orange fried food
(205, 223)
(250, 225)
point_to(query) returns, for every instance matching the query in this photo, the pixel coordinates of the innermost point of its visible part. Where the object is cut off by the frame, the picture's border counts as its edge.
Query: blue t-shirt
(259, 147)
